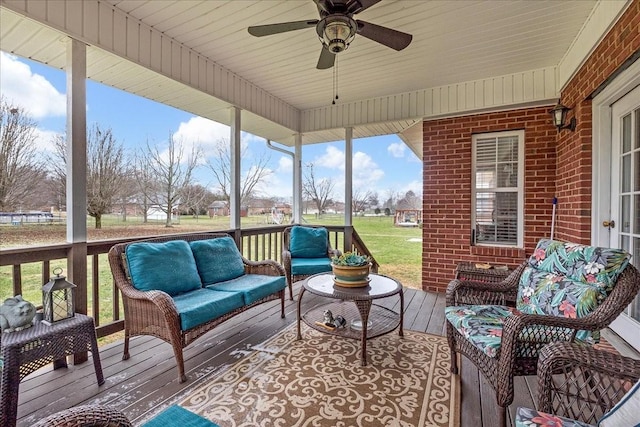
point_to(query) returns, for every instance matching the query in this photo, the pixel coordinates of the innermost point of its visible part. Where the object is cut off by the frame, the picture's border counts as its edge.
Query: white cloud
(397, 149)
(415, 186)
(30, 91)
(366, 172)
(333, 158)
(44, 139)
(285, 165)
(208, 134)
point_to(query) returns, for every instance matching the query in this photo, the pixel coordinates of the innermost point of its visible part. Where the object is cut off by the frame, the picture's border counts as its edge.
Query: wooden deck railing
(256, 244)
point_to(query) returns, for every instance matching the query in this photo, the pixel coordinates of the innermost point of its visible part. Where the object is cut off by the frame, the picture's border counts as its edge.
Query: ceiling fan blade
(391, 38)
(326, 60)
(366, 4)
(269, 29)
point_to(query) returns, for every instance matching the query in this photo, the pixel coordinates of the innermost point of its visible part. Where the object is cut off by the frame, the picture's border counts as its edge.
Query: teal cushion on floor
(202, 305)
(308, 266)
(217, 259)
(168, 267)
(178, 416)
(308, 242)
(252, 286)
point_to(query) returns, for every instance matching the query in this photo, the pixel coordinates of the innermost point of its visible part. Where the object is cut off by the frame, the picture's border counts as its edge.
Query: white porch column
(348, 187)
(76, 142)
(235, 168)
(297, 180)
(76, 68)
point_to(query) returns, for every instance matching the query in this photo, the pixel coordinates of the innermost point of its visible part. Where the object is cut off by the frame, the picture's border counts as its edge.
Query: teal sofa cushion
(253, 287)
(200, 306)
(217, 259)
(308, 242)
(168, 267)
(308, 266)
(177, 416)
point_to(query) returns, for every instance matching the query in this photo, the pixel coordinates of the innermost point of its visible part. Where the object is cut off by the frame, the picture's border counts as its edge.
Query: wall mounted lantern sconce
(559, 115)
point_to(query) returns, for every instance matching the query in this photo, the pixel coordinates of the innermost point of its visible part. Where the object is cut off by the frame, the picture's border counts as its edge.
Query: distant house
(218, 208)
(157, 213)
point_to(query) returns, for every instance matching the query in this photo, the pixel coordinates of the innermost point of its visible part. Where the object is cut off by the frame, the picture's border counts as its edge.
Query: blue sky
(381, 164)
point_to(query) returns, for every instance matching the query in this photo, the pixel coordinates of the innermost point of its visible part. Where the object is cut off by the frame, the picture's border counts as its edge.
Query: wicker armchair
(86, 416)
(154, 312)
(519, 336)
(299, 268)
(579, 383)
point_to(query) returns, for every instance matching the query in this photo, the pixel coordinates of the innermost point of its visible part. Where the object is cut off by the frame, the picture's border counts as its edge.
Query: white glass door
(625, 198)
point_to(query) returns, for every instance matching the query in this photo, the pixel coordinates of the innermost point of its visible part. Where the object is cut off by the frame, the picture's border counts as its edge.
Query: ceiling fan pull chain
(335, 81)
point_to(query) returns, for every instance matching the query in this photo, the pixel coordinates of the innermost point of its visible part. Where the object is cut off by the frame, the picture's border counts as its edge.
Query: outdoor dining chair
(564, 292)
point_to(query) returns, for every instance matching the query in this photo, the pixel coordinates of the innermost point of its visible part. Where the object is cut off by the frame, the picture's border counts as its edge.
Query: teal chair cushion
(200, 306)
(168, 267)
(253, 287)
(308, 266)
(177, 416)
(308, 242)
(217, 259)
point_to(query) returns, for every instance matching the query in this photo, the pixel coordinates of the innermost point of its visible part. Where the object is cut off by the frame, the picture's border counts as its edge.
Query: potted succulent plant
(351, 269)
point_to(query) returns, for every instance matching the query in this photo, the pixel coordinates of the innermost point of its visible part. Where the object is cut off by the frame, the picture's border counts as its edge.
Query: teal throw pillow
(217, 260)
(167, 267)
(308, 242)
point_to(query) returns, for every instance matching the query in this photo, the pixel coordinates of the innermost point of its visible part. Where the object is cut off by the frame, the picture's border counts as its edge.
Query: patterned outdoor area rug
(318, 381)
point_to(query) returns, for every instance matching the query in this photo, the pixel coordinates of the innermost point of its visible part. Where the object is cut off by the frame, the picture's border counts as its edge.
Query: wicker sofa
(179, 288)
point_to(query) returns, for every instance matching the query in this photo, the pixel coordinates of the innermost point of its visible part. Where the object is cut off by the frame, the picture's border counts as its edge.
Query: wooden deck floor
(149, 378)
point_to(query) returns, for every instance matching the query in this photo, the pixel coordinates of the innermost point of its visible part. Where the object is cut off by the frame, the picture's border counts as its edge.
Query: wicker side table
(469, 271)
(28, 350)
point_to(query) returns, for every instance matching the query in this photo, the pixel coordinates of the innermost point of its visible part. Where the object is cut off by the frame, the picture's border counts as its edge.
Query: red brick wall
(574, 148)
(564, 171)
(447, 190)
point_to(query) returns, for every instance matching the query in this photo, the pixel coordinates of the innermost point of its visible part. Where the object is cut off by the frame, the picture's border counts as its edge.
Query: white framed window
(497, 211)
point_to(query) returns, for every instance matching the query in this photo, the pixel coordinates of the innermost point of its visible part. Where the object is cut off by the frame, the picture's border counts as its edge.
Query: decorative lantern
(57, 298)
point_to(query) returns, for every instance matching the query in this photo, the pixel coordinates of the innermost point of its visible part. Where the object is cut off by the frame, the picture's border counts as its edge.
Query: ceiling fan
(337, 28)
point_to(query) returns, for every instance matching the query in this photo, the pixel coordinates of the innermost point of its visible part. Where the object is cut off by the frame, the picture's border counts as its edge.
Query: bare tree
(220, 165)
(106, 169)
(360, 199)
(20, 168)
(171, 171)
(146, 184)
(410, 201)
(318, 190)
(194, 199)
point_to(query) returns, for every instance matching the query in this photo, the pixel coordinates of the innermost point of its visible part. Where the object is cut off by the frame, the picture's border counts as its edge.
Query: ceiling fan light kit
(336, 32)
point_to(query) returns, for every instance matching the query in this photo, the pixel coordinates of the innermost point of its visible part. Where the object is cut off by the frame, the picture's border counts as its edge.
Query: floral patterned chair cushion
(482, 326)
(526, 417)
(569, 280)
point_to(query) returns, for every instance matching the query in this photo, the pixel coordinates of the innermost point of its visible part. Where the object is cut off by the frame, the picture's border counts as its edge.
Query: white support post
(235, 168)
(348, 176)
(76, 68)
(297, 180)
(348, 188)
(76, 142)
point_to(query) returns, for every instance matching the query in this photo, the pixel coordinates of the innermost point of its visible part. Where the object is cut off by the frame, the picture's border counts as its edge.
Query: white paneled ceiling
(454, 41)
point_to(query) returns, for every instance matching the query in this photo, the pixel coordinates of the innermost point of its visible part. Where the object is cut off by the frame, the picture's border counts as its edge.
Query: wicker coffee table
(355, 305)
